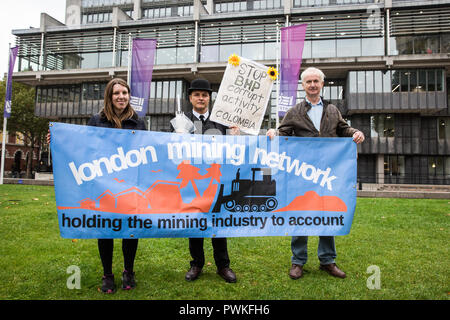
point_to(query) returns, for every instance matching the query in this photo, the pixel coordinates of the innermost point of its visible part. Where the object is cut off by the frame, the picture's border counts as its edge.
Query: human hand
(234, 131)
(271, 133)
(358, 137)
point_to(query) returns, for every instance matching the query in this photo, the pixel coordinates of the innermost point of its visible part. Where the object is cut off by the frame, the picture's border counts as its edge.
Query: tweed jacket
(296, 122)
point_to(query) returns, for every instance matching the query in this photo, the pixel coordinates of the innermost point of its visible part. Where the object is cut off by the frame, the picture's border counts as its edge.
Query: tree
(213, 173)
(189, 173)
(23, 120)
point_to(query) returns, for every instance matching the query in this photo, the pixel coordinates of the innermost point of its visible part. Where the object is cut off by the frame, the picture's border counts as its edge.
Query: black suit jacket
(208, 127)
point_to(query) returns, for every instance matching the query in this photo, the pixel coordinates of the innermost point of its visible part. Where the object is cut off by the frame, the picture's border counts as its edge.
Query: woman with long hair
(117, 113)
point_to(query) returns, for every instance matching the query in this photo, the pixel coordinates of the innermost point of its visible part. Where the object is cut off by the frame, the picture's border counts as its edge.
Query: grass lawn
(407, 239)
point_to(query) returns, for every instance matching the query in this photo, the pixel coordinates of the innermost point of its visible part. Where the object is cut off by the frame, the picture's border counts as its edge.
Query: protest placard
(243, 94)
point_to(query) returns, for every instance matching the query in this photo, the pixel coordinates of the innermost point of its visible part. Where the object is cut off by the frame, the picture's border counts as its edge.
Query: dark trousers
(219, 248)
(106, 247)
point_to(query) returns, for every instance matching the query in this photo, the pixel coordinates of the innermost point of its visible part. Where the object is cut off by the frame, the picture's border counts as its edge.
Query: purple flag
(12, 60)
(141, 73)
(292, 40)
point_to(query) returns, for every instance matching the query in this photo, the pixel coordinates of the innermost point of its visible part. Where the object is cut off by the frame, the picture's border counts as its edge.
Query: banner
(292, 41)
(113, 183)
(12, 60)
(143, 58)
(243, 95)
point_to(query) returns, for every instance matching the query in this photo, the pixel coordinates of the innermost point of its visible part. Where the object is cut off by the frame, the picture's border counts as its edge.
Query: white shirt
(197, 115)
(315, 113)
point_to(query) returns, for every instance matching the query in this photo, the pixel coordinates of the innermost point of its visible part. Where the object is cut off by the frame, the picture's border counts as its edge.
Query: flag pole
(5, 120)
(130, 49)
(277, 119)
(5, 133)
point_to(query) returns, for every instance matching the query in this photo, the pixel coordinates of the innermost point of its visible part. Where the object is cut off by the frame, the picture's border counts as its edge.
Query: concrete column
(379, 171)
(73, 12)
(137, 9)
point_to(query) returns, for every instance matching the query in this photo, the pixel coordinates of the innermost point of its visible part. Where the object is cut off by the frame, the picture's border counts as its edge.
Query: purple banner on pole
(141, 73)
(292, 40)
(12, 60)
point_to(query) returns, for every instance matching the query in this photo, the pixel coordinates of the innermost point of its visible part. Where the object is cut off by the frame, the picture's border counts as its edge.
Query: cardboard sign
(243, 96)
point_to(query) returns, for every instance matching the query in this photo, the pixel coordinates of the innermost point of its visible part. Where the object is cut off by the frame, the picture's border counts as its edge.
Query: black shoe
(128, 281)
(108, 285)
(193, 273)
(227, 274)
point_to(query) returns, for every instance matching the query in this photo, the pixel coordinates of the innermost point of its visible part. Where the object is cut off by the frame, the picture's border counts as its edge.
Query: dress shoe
(193, 273)
(296, 271)
(333, 270)
(227, 274)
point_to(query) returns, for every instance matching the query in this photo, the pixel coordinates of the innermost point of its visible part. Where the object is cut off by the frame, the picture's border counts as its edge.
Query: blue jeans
(326, 251)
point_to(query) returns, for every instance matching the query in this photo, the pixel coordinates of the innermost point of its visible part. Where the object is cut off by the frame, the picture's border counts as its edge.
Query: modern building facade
(387, 65)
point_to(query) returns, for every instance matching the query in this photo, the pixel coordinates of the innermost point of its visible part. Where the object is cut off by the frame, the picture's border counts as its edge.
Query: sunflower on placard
(273, 73)
(234, 60)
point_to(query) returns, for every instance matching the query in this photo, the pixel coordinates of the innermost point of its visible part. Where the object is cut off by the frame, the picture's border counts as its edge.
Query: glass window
(166, 56)
(395, 81)
(439, 80)
(209, 54)
(348, 47)
(431, 80)
(372, 47)
(394, 166)
(444, 128)
(307, 50)
(105, 59)
(253, 51)
(369, 82)
(405, 81)
(387, 81)
(89, 60)
(382, 125)
(361, 76)
(426, 44)
(445, 42)
(185, 54)
(378, 81)
(270, 50)
(323, 48)
(227, 50)
(436, 167)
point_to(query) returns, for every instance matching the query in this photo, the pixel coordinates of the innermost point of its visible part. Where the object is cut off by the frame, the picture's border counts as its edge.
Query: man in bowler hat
(200, 96)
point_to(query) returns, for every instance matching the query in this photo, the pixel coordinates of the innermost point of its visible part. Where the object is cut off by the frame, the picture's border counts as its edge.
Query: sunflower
(273, 73)
(234, 59)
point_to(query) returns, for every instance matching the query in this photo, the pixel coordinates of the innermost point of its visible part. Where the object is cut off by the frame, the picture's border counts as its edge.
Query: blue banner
(115, 183)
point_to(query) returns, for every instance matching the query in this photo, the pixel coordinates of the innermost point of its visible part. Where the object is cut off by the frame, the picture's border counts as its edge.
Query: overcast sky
(22, 14)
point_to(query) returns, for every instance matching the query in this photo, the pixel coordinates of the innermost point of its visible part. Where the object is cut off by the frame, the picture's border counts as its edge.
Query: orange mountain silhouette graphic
(311, 201)
(161, 197)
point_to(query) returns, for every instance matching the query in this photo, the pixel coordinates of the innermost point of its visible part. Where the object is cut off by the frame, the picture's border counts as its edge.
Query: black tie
(202, 117)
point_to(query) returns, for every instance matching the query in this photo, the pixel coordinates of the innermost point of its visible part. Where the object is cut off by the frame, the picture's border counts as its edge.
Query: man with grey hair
(314, 117)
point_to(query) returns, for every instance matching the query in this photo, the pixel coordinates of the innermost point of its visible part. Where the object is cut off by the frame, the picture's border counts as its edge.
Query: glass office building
(386, 63)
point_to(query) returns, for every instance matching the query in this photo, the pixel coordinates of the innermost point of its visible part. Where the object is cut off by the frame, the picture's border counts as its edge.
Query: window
(444, 128)
(382, 125)
(394, 165)
(439, 167)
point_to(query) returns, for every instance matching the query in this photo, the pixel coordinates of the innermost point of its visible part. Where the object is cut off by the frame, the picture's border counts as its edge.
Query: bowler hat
(200, 84)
